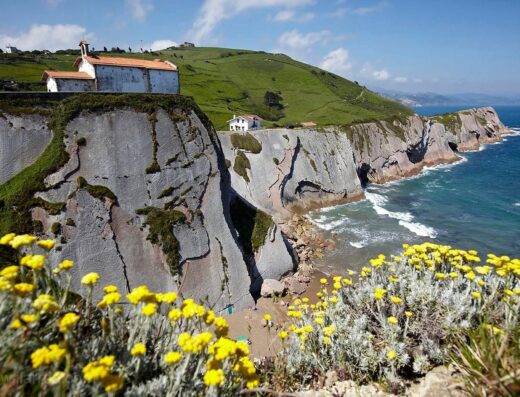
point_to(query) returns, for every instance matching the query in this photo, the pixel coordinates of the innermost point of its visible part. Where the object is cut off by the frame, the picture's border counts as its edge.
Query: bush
(241, 166)
(56, 343)
(401, 319)
(246, 142)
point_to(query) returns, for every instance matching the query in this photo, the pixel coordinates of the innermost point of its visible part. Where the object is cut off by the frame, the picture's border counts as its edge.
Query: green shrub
(56, 228)
(241, 166)
(246, 142)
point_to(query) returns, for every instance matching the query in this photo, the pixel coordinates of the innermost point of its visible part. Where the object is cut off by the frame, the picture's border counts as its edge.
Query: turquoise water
(473, 204)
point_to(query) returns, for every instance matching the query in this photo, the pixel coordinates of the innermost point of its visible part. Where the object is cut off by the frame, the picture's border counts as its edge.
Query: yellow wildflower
(98, 370)
(454, 274)
(222, 326)
(113, 383)
(22, 289)
(209, 317)
(110, 288)
(67, 322)
(476, 295)
(172, 358)
(408, 314)
(66, 265)
(141, 294)
(391, 355)
(24, 239)
(323, 281)
(327, 341)
(174, 314)
(47, 355)
(56, 378)
(9, 272)
(392, 320)
(6, 239)
(214, 377)
(109, 299)
(168, 297)
(337, 285)
(139, 349)
(90, 278)
(379, 293)
(470, 276)
(17, 324)
(45, 303)
(347, 281)
(149, 309)
(34, 262)
(267, 317)
(283, 335)
(440, 276)
(28, 318)
(393, 279)
(396, 300)
(46, 244)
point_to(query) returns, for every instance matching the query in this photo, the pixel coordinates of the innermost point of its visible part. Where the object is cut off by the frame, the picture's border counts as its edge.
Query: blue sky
(443, 46)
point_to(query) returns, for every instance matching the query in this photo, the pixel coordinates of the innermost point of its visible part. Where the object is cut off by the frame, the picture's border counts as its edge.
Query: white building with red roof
(111, 74)
(245, 123)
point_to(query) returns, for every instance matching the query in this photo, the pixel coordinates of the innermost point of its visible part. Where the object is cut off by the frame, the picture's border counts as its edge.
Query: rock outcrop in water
(303, 169)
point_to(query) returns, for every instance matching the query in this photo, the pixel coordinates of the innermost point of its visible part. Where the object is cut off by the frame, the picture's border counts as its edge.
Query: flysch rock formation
(108, 186)
(305, 169)
(296, 170)
(22, 139)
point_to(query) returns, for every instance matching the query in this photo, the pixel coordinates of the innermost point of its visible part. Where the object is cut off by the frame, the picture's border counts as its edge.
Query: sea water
(472, 204)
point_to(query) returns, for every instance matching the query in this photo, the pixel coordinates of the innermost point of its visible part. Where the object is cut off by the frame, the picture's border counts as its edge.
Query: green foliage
(56, 228)
(219, 77)
(153, 167)
(276, 161)
(481, 120)
(251, 224)
(246, 142)
(97, 191)
(70, 222)
(242, 164)
(451, 121)
(166, 192)
(489, 360)
(160, 231)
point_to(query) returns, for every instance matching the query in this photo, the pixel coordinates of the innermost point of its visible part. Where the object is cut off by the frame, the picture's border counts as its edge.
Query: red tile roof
(128, 62)
(66, 75)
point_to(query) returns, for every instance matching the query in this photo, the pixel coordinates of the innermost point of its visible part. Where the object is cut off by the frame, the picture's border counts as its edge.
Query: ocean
(471, 204)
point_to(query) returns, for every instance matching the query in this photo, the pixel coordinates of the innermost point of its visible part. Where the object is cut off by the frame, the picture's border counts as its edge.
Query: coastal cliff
(134, 188)
(301, 169)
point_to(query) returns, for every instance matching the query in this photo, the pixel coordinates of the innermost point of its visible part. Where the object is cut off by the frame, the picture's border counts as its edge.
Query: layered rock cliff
(304, 169)
(133, 187)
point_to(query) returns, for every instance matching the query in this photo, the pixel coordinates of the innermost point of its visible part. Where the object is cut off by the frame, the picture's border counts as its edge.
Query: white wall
(121, 79)
(87, 68)
(51, 85)
(164, 81)
(239, 125)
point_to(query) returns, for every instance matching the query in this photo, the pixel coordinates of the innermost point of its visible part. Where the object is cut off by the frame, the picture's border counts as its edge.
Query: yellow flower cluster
(100, 371)
(47, 355)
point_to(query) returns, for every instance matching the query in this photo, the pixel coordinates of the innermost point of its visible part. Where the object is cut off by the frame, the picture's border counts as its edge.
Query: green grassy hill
(226, 82)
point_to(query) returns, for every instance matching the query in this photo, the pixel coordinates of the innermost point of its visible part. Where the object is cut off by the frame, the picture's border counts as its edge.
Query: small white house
(111, 74)
(11, 49)
(245, 123)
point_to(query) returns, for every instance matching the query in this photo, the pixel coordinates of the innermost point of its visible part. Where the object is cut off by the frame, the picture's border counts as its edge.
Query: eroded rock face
(22, 140)
(296, 169)
(110, 237)
(303, 169)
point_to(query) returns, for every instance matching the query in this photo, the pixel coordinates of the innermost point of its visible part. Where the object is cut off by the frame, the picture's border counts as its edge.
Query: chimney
(84, 48)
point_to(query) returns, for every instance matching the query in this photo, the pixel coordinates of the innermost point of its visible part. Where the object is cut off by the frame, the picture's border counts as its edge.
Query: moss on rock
(246, 142)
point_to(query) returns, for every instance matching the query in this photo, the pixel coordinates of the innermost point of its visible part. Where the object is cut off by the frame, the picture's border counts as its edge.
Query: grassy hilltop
(225, 81)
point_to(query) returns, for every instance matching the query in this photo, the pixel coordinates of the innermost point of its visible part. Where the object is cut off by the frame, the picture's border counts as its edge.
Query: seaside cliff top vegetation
(226, 81)
(406, 314)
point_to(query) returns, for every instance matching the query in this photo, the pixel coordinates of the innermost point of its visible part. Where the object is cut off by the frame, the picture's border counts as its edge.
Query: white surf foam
(377, 202)
(517, 204)
(356, 244)
(419, 229)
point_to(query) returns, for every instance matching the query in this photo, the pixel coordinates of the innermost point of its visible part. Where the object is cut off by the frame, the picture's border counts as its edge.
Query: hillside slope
(225, 81)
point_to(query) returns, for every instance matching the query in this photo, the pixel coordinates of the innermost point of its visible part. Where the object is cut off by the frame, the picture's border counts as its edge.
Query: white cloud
(290, 15)
(139, 8)
(296, 40)
(336, 61)
(158, 45)
(400, 79)
(381, 75)
(48, 37)
(418, 81)
(213, 12)
(369, 10)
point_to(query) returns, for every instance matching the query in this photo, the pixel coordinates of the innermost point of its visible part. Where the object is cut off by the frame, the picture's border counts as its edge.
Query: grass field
(226, 82)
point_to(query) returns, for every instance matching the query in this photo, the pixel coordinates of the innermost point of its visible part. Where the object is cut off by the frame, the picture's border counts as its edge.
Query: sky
(441, 46)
